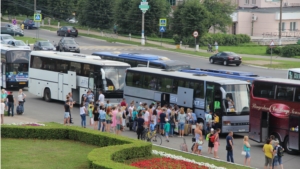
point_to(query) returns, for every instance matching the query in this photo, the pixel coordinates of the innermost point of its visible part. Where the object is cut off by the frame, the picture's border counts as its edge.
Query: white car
(15, 28)
(6, 37)
(19, 44)
(73, 20)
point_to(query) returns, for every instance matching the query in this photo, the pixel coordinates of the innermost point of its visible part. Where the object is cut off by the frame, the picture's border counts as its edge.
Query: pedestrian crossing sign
(37, 17)
(162, 22)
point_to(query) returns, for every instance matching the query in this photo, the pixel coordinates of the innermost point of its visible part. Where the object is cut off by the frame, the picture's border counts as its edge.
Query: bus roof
(10, 47)
(295, 69)
(76, 57)
(135, 56)
(279, 80)
(239, 75)
(220, 80)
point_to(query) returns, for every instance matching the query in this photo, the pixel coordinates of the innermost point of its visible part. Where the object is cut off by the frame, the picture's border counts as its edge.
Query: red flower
(166, 163)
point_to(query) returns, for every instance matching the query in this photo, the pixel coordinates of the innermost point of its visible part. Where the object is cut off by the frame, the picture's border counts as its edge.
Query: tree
(130, 18)
(188, 17)
(220, 12)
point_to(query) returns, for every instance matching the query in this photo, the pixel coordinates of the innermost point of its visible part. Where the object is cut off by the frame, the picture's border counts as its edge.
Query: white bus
(199, 92)
(52, 75)
(294, 74)
(14, 67)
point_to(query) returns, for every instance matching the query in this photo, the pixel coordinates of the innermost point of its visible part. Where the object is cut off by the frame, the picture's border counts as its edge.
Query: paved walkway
(166, 45)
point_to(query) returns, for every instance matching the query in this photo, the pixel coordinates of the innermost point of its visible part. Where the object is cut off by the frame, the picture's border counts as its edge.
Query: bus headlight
(226, 123)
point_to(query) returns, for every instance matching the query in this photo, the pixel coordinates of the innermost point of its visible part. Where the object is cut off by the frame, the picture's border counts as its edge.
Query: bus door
(91, 81)
(60, 86)
(3, 75)
(165, 99)
(264, 126)
(294, 137)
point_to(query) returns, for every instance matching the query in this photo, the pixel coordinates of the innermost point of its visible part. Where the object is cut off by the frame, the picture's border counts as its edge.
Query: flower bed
(166, 163)
(27, 124)
(170, 161)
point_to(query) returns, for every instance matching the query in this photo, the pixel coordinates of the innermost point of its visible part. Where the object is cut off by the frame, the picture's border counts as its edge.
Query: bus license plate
(72, 50)
(22, 83)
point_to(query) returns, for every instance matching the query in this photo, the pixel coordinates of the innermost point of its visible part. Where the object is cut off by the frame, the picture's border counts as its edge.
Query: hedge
(285, 51)
(209, 38)
(114, 149)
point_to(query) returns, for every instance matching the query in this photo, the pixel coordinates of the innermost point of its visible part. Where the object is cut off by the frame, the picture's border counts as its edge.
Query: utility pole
(34, 6)
(143, 28)
(280, 23)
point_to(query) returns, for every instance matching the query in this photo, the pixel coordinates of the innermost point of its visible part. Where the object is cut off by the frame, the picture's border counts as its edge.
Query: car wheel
(57, 33)
(60, 50)
(225, 63)
(66, 35)
(64, 50)
(27, 27)
(211, 61)
(76, 35)
(238, 64)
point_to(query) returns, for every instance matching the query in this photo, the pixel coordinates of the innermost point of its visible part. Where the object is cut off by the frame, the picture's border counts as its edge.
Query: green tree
(60, 9)
(133, 17)
(188, 17)
(121, 15)
(220, 12)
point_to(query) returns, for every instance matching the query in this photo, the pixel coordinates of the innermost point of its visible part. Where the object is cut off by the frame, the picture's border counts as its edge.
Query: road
(37, 108)
(90, 45)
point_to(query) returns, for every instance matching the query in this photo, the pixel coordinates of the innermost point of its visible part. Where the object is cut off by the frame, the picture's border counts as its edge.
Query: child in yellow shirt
(90, 110)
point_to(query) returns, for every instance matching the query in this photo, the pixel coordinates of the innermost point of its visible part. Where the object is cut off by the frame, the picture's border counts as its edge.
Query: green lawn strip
(33, 153)
(30, 40)
(199, 158)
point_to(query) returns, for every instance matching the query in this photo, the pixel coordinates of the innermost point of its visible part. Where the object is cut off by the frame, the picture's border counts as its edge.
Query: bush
(298, 42)
(113, 149)
(276, 50)
(290, 50)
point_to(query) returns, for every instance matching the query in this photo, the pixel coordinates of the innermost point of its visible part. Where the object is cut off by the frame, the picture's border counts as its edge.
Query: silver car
(6, 37)
(19, 44)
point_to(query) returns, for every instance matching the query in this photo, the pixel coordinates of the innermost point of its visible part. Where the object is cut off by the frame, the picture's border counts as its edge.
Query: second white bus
(294, 74)
(52, 75)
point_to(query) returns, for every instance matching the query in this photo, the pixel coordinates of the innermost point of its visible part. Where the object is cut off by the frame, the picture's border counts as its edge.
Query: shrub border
(114, 149)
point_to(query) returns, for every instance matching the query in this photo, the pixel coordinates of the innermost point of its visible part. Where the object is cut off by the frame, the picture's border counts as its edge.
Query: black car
(68, 45)
(43, 45)
(67, 31)
(9, 31)
(226, 58)
(29, 24)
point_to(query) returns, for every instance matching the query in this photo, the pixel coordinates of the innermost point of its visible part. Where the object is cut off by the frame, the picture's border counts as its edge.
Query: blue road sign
(37, 17)
(162, 29)
(14, 22)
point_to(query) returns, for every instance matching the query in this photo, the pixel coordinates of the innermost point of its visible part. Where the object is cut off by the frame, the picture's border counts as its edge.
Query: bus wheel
(286, 147)
(47, 95)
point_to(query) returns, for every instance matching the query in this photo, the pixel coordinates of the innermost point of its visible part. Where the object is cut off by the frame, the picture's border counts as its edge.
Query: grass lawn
(199, 158)
(47, 154)
(30, 40)
(247, 48)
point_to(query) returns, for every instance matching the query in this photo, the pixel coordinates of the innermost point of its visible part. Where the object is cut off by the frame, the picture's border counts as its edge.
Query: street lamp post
(280, 23)
(144, 7)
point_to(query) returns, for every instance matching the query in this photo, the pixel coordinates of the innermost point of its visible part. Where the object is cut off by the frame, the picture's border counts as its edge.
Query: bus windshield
(115, 78)
(178, 67)
(237, 99)
(294, 75)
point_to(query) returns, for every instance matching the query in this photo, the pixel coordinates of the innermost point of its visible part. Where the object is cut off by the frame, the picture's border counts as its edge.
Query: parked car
(73, 20)
(226, 58)
(68, 45)
(29, 24)
(67, 31)
(19, 44)
(15, 27)
(9, 31)
(43, 45)
(5, 38)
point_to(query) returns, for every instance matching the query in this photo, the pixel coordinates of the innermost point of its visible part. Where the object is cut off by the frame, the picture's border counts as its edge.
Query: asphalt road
(90, 45)
(36, 108)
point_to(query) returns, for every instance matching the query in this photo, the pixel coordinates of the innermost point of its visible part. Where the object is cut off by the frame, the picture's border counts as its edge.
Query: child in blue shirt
(152, 126)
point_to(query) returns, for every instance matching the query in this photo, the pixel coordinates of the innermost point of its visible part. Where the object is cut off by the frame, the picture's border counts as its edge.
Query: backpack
(280, 151)
(212, 138)
(207, 137)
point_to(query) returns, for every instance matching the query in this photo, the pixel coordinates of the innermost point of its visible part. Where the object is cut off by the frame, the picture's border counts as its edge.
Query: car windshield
(48, 44)
(237, 99)
(20, 43)
(70, 42)
(7, 37)
(231, 53)
(115, 77)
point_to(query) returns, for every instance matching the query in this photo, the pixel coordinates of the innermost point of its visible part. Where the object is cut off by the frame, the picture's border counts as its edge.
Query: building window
(253, 1)
(293, 26)
(282, 26)
(172, 2)
(247, 1)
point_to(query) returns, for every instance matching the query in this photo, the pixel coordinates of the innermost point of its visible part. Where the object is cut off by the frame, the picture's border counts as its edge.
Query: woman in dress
(216, 143)
(113, 118)
(96, 117)
(247, 150)
(108, 119)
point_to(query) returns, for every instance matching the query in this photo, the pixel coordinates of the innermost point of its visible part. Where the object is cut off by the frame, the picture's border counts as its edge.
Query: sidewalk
(18, 119)
(166, 45)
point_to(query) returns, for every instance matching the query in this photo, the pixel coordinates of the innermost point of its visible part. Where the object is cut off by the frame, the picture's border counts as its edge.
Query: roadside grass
(34, 153)
(199, 158)
(26, 39)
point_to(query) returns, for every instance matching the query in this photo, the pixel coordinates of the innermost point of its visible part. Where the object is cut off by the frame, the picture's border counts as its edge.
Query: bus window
(175, 86)
(62, 66)
(36, 62)
(183, 83)
(137, 80)
(198, 89)
(264, 90)
(297, 94)
(210, 90)
(166, 85)
(76, 67)
(285, 93)
(87, 68)
(147, 79)
(49, 64)
(129, 79)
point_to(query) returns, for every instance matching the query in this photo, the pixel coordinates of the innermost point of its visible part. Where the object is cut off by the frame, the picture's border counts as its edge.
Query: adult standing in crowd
(278, 150)
(67, 113)
(11, 103)
(172, 122)
(147, 117)
(83, 112)
(197, 136)
(162, 118)
(113, 118)
(181, 122)
(208, 119)
(246, 148)
(72, 102)
(134, 118)
(216, 142)
(101, 98)
(229, 147)
(140, 128)
(89, 97)
(4, 98)
(96, 117)
(102, 119)
(119, 120)
(216, 46)
(108, 118)
(123, 103)
(268, 150)
(2, 110)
